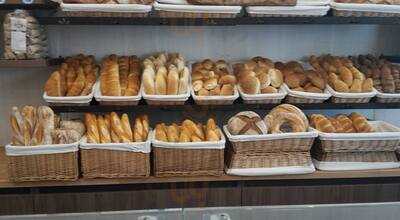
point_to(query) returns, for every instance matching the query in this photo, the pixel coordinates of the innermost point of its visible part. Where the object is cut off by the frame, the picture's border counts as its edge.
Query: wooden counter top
(6, 183)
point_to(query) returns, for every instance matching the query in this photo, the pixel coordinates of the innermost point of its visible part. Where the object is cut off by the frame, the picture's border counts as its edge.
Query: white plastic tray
(271, 171)
(385, 131)
(288, 10)
(132, 8)
(198, 8)
(70, 99)
(350, 95)
(312, 133)
(338, 166)
(307, 95)
(381, 8)
(141, 147)
(190, 145)
(41, 149)
(100, 98)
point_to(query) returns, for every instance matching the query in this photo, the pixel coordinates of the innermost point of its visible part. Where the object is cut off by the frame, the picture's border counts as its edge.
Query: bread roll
(173, 82)
(203, 92)
(269, 89)
(227, 90)
(356, 87)
(340, 86)
(149, 81)
(367, 85)
(227, 79)
(360, 123)
(217, 91)
(250, 85)
(292, 80)
(276, 77)
(322, 123)
(78, 85)
(346, 75)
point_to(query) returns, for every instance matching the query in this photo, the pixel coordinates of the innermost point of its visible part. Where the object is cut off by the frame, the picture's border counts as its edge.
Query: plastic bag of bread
(24, 38)
(73, 82)
(165, 79)
(259, 81)
(213, 83)
(120, 80)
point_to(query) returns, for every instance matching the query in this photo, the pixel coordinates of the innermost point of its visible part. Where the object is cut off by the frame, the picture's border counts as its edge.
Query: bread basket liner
(313, 2)
(350, 95)
(271, 171)
(288, 10)
(280, 95)
(70, 99)
(242, 138)
(101, 98)
(198, 8)
(385, 130)
(131, 8)
(140, 147)
(338, 166)
(174, 2)
(41, 149)
(308, 95)
(382, 8)
(190, 145)
(215, 97)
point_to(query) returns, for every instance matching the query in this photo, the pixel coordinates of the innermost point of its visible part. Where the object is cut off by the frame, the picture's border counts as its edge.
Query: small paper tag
(18, 24)
(18, 41)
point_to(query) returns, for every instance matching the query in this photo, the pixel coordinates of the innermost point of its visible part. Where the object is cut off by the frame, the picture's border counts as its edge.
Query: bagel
(283, 122)
(290, 109)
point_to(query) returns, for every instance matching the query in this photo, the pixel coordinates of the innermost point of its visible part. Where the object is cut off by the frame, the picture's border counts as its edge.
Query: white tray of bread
(73, 83)
(346, 83)
(302, 84)
(165, 79)
(213, 83)
(119, 82)
(259, 82)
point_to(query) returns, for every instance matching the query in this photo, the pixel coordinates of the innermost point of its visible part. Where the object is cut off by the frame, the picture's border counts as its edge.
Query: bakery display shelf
(238, 105)
(29, 63)
(156, 21)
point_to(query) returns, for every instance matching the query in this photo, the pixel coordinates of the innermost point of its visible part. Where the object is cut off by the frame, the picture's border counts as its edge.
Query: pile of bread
(120, 76)
(353, 123)
(212, 78)
(165, 74)
(299, 79)
(258, 76)
(188, 131)
(385, 75)
(284, 118)
(341, 74)
(75, 77)
(111, 128)
(32, 126)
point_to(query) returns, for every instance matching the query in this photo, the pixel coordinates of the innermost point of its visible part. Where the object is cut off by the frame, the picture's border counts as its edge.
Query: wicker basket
(388, 97)
(375, 156)
(68, 100)
(195, 11)
(166, 99)
(304, 97)
(116, 160)
(188, 159)
(105, 10)
(116, 100)
(287, 11)
(272, 98)
(387, 138)
(341, 97)
(215, 100)
(42, 163)
(365, 10)
(244, 2)
(269, 143)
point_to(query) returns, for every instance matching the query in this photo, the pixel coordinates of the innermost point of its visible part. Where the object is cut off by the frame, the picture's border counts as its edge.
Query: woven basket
(376, 156)
(42, 167)
(388, 97)
(304, 97)
(272, 98)
(243, 2)
(271, 143)
(104, 14)
(101, 163)
(116, 100)
(341, 13)
(173, 14)
(387, 138)
(214, 100)
(188, 159)
(339, 97)
(268, 160)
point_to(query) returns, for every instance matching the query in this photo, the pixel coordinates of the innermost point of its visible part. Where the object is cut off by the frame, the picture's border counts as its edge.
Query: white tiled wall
(280, 42)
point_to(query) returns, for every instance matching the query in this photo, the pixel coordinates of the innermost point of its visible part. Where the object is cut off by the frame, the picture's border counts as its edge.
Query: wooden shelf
(318, 175)
(36, 63)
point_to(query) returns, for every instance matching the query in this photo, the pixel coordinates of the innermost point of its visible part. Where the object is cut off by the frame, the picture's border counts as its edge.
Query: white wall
(24, 86)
